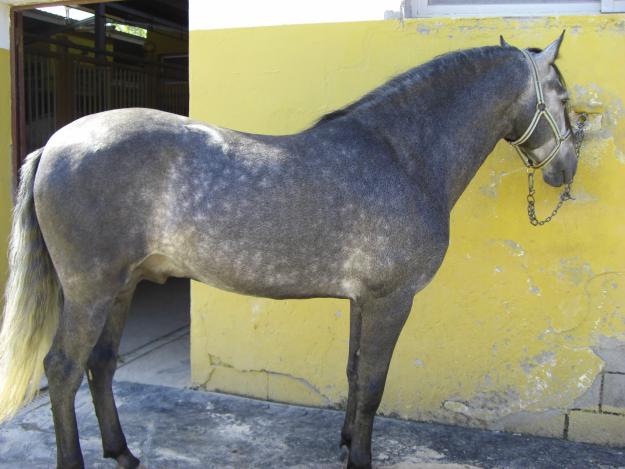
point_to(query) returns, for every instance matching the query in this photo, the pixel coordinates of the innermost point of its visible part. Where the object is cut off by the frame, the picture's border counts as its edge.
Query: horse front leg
(355, 323)
(381, 323)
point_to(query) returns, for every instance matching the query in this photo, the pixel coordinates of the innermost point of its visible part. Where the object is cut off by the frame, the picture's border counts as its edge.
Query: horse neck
(445, 121)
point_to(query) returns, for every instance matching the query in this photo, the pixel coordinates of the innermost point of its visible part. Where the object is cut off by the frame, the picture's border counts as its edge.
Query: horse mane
(421, 72)
(424, 72)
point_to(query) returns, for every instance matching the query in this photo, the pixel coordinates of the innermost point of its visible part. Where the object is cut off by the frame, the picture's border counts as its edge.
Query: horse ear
(550, 53)
(502, 42)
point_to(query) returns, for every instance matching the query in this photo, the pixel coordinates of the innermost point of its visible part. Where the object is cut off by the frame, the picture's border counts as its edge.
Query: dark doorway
(82, 58)
(85, 58)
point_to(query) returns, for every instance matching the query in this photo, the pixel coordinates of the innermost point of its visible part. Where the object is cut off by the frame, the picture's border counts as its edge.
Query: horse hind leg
(81, 323)
(101, 366)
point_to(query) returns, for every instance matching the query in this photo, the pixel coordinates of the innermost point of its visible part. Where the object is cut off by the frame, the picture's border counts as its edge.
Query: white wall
(222, 14)
(5, 26)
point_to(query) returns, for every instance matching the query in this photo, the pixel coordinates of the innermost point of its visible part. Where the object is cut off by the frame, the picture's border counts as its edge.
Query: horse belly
(257, 259)
(245, 235)
(280, 254)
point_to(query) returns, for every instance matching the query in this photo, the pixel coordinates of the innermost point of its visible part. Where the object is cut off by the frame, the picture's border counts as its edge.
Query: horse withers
(356, 206)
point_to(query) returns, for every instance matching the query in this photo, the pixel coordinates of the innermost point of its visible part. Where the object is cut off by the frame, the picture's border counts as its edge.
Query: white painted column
(5, 26)
(223, 14)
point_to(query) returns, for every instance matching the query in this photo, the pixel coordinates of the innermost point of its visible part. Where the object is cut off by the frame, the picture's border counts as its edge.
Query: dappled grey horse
(355, 207)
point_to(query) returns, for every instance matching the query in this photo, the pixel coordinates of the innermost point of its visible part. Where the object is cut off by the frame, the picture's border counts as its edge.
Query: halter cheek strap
(541, 111)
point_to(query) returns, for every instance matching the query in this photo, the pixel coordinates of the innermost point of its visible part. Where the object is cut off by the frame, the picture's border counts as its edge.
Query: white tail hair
(33, 300)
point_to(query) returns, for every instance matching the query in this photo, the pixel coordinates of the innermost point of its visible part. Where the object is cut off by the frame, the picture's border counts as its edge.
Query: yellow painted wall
(6, 203)
(168, 43)
(520, 321)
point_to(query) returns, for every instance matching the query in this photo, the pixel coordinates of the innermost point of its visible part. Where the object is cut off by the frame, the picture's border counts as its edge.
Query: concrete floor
(170, 427)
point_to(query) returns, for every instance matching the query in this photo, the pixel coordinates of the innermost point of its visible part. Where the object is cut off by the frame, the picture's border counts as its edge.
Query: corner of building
(5, 140)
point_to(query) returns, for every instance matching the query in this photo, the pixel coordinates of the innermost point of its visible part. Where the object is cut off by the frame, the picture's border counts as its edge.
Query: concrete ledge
(599, 428)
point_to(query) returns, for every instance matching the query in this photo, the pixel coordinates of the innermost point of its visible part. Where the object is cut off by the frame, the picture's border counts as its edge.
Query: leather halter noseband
(541, 110)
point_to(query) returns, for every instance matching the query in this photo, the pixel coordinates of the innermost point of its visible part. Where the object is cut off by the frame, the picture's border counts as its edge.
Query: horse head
(542, 133)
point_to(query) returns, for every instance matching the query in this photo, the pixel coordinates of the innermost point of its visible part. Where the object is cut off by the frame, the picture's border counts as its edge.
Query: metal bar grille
(96, 86)
(40, 79)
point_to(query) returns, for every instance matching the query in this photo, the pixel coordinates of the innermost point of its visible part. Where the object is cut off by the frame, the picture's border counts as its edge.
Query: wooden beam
(30, 6)
(18, 109)
(150, 18)
(100, 30)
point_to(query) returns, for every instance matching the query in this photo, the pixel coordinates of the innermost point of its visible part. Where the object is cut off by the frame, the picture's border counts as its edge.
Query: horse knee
(371, 397)
(102, 359)
(350, 371)
(60, 369)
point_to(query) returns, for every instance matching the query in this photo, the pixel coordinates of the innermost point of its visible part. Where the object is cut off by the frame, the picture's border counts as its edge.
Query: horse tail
(33, 300)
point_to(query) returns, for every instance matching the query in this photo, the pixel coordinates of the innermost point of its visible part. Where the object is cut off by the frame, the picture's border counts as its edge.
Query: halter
(541, 111)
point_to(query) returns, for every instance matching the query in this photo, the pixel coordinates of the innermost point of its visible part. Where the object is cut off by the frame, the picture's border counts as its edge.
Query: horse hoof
(126, 460)
(350, 465)
(124, 466)
(344, 454)
(356, 460)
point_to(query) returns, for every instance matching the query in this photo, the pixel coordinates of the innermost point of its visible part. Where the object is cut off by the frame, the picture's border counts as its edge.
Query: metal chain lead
(578, 137)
